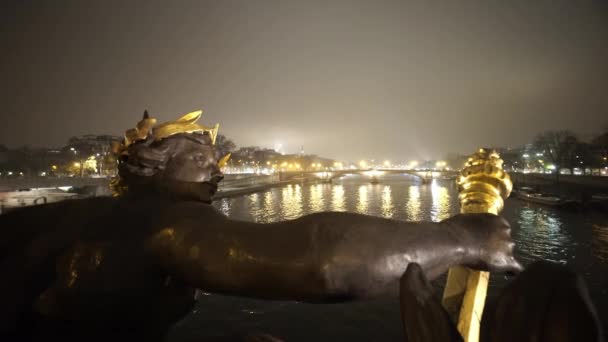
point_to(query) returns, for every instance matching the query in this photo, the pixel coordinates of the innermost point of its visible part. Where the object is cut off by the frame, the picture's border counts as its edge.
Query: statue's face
(194, 159)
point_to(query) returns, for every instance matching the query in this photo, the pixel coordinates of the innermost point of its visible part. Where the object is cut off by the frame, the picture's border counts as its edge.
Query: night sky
(346, 79)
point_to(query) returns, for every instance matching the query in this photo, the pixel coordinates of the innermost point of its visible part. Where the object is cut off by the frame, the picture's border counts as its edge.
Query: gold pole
(483, 187)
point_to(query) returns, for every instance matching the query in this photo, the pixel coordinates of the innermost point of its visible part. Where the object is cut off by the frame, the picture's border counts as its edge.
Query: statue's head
(176, 158)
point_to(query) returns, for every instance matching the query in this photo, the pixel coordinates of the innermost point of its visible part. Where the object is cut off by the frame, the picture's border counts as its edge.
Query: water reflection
(292, 201)
(387, 202)
(224, 206)
(540, 235)
(316, 198)
(362, 202)
(441, 208)
(413, 203)
(337, 198)
(269, 207)
(599, 242)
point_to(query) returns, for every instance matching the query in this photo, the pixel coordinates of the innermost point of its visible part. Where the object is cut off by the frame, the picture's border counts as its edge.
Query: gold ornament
(146, 127)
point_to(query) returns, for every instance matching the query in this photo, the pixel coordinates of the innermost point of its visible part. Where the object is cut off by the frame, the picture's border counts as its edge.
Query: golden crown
(146, 127)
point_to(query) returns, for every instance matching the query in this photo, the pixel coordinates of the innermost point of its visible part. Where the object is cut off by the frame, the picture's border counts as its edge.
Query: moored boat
(543, 199)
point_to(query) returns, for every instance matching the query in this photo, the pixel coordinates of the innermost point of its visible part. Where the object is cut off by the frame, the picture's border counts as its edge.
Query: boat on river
(539, 198)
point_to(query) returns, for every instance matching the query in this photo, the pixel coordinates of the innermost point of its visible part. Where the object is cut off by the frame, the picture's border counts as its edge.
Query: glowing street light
(387, 163)
(363, 164)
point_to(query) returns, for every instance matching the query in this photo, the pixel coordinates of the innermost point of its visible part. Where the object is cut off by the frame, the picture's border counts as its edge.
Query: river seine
(573, 238)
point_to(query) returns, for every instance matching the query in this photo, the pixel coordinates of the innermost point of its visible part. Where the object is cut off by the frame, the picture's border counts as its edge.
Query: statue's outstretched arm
(325, 257)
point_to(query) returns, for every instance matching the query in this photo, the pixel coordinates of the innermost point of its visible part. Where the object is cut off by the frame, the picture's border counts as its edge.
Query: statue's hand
(487, 241)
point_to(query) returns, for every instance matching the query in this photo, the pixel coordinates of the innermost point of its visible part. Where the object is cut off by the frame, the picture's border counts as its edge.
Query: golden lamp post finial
(484, 186)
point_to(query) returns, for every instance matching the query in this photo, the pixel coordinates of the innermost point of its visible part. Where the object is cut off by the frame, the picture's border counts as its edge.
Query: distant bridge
(230, 180)
(423, 174)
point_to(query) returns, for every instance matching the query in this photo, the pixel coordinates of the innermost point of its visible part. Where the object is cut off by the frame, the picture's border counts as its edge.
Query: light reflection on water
(541, 235)
(413, 203)
(580, 241)
(362, 199)
(398, 197)
(441, 202)
(387, 202)
(337, 198)
(317, 201)
(599, 243)
(291, 201)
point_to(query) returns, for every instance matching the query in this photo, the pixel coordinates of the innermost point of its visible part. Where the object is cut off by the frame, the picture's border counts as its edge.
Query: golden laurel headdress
(146, 129)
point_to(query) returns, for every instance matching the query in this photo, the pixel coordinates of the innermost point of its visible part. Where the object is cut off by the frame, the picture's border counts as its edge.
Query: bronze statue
(129, 265)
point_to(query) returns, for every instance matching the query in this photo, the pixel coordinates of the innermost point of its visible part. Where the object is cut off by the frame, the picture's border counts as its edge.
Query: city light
(387, 163)
(440, 163)
(363, 164)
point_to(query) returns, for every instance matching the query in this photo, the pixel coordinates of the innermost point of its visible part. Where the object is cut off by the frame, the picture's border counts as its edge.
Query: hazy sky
(345, 79)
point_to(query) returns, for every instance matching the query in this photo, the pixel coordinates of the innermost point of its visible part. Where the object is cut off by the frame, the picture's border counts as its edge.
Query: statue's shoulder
(189, 210)
(21, 226)
(51, 212)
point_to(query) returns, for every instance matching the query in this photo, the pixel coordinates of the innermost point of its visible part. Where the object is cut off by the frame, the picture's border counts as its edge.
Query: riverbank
(232, 186)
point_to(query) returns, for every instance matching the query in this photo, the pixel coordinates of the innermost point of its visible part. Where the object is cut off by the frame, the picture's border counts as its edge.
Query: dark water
(576, 239)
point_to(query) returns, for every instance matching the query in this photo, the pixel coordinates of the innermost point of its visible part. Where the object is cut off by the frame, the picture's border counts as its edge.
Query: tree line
(564, 150)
